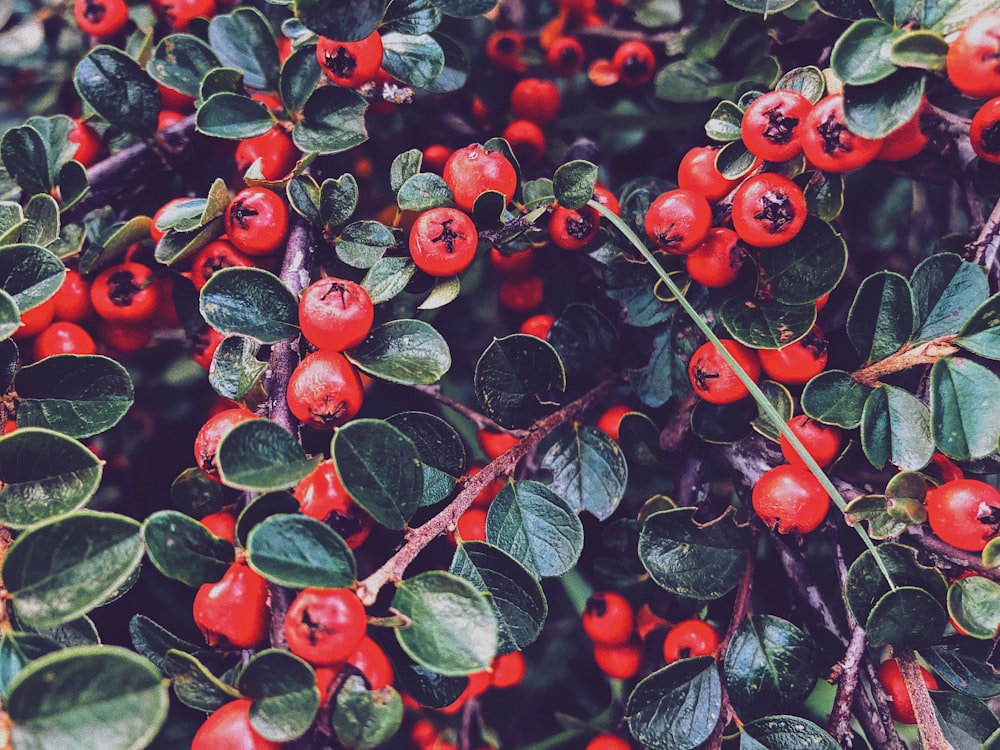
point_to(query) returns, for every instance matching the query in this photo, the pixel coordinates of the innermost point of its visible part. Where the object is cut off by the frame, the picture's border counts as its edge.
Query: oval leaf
(963, 402)
(908, 617)
(261, 455)
(365, 719)
(284, 694)
(299, 552)
(404, 351)
(233, 116)
(677, 707)
(589, 470)
(30, 274)
(808, 266)
(119, 90)
(514, 377)
(333, 120)
(766, 324)
(946, 292)
(183, 549)
(243, 40)
(882, 316)
(834, 397)
(251, 302)
(896, 427)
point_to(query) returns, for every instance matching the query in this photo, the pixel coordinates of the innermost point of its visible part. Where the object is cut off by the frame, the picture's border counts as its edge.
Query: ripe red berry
(472, 170)
(435, 157)
(971, 62)
(335, 314)
(350, 64)
(100, 18)
(984, 133)
(322, 496)
(503, 48)
(36, 320)
(605, 741)
(222, 524)
(770, 125)
(688, 639)
(717, 260)
(619, 662)
(535, 99)
(369, 659)
(89, 145)
(125, 293)
(798, 362)
(63, 338)
(324, 626)
(274, 148)
(515, 265)
(714, 380)
(522, 295)
(443, 241)
(573, 229)
(697, 172)
(125, 338)
(324, 390)
(607, 199)
(901, 707)
(206, 442)
(174, 100)
(179, 13)
(768, 210)
(822, 441)
(508, 670)
(233, 611)
(611, 419)
(72, 301)
(495, 443)
(526, 139)
(565, 56)
(634, 62)
(828, 144)
(678, 221)
(167, 118)
(215, 256)
(965, 513)
(538, 325)
(257, 221)
(790, 499)
(203, 345)
(608, 619)
(229, 728)
(905, 141)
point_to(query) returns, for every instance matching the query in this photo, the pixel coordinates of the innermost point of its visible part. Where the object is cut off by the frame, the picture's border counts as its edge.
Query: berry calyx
(443, 241)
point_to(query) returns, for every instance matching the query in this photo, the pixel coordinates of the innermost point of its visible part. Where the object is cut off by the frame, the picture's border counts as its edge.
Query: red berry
(768, 210)
(443, 241)
(984, 133)
(611, 419)
(371, 661)
(634, 62)
(573, 229)
(179, 13)
(496, 443)
(790, 499)
(335, 314)
(435, 157)
(325, 390)
(174, 100)
(538, 325)
(222, 524)
(901, 707)
(274, 148)
(822, 441)
(526, 139)
(515, 265)
(828, 144)
(229, 728)
(63, 338)
(125, 338)
(100, 18)
(965, 513)
(508, 670)
(606, 741)
(535, 99)
(714, 380)
(257, 221)
(717, 260)
(798, 362)
(350, 64)
(619, 662)
(503, 49)
(215, 256)
(322, 496)
(697, 172)
(608, 619)
(678, 221)
(905, 141)
(471, 526)
(522, 295)
(167, 118)
(325, 626)
(607, 199)
(206, 442)
(72, 301)
(688, 639)
(125, 293)
(472, 170)
(36, 320)
(203, 346)
(233, 611)
(770, 125)
(89, 145)
(972, 61)
(565, 56)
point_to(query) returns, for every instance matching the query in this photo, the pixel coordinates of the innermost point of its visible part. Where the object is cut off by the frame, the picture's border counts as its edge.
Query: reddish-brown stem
(923, 708)
(478, 419)
(839, 725)
(419, 537)
(907, 357)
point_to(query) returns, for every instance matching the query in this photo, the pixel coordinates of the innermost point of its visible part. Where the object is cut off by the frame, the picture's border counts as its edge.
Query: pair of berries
(609, 621)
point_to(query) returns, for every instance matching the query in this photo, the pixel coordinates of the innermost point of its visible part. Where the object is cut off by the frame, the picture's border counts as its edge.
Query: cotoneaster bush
(451, 374)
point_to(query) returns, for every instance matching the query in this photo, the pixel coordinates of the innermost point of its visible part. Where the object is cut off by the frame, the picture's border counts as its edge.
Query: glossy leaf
(261, 455)
(896, 428)
(453, 629)
(766, 324)
(963, 395)
(666, 372)
(787, 733)
(412, 17)
(536, 527)
(875, 111)
(184, 549)
(423, 191)
(963, 664)
(243, 40)
(779, 397)
(300, 74)
(723, 424)
(300, 552)
(874, 510)
(176, 246)
(348, 22)
(153, 641)
(30, 274)
(824, 194)
(363, 243)
(584, 339)
(514, 377)
(380, 468)
(181, 61)
(235, 369)
(631, 284)
(574, 182)
(688, 80)
(441, 451)
(364, 719)
(404, 351)
(194, 683)
(834, 397)
(677, 707)
(303, 196)
(921, 48)
(946, 292)
(882, 316)
(251, 302)
(861, 54)
(24, 155)
(77, 395)
(806, 267)
(515, 595)
(284, 694)
(965, 722)
(981, 332)
(387, 278)
(588, 469)
(17, 650)
(73, 184)
(413, 60)
(807, 80)
(233, 116)
(465, 8)
(63, 568)
(269, 504)
(456, 66)
(906, 617)
(119, 90)
(734, 160)
(974, 605)
(724, 122)
(693, 560)
(333, 120)
(337, 200)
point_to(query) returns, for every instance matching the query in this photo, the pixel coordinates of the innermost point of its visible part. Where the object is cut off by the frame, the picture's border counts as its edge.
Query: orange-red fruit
(535, 99)
(36, 320)
(790, 499)
(965, 513)
(495, 443)
(905, 141)
(635, 63)
(891, 677)
(828, 144)
(63, 338)
(325, 626)
(513, 265)
(72, 301)
(798, 362)
(257, 221)
(697, 172)
(100, 18)
(526, 139)
(233, 611)
(610, 421)
(714, 380)
(443, 241)
(717, 260)
(322, 496)
(573, 228)
(274, 148)
(89, 145)
(538, 325)
(222, 524)
(522, 295)
(822, 441)
(984, 132)
(350, 64)
(206, 442)
(678, 220)
(229, 728)
(605, 741)
(371, 661)
(335, 314)
(690, 638)
(473, 170)
(619, 662)
(565, 56)
(325, 390)
(608, 619)
(971, 62)
(508, 670)
(435, 156)
(471, 525)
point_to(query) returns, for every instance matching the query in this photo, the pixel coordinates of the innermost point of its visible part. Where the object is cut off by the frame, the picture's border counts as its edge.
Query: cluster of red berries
(972, 69)
(105, 19)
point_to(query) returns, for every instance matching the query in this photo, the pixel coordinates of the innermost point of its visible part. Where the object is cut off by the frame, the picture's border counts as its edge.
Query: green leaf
(963, 395)
(881, 319)
(699, 561)
(724, 122)
(303, 195)
(514, 377)
(974, 605)
(723, 424)
(44, 474)
(119, 90)
(269, 504)
(412, 17)
(688, 80)
(11, 220)
(536, 527)
(834, 397)
(183, 549)
(515, 595)
(770, 664)
(981, 332)
(113, 247)
(87, 696)
(42, 215)
(965, 722)
(333, 120)
(337, 200)
(380, 468)
(404, 166)
(584, 339)
(261, 455)
(906, 617)
(194, 683)
(153, 641)
(639, 438)
(364, 719)
(964, 664)
(806, 267)
(55, 131)
(413, 60)
(824, 193)
(252, 302)
(445, 291)
(77, 395)
(347, 22)
(734, 161)
(423, 191)
(921, 48)
(440, 448)
(363, 243)
(874, 510)
(453, 629)
(779, 397)
(300, 552)
(677, 707)
(17, 650)
(631, 284)
(807, 80)
(861, 54)
(404, 351)
(233, 116)
(465, 8)
(235, 369)
(26, 159)
(766, 324)
(300, 74)
(243, 40)
(787, 733)
(177, 246)
(181, 61)
(538, 191)
(221, 81)
(387, 278)
(946, 292)
(10, 319)
(574, 182)
(195, 494)
(284, 694)
(30, 274)
(456, 67)
(63, 568)
(73, 184)
(588, 468)
(665, 373)
(875, 111)
(896, 427)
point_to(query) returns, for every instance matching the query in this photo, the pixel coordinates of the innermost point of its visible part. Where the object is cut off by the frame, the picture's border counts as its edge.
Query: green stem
(577, 590)
(556, 740)
(762, 401)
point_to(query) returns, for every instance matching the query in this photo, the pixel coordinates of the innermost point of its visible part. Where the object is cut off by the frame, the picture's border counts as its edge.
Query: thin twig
(924, 354)
(923, 708)
(839, 724)
(478, 419)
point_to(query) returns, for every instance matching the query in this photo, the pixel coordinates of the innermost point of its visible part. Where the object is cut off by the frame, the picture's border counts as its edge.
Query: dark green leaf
(665, 373)
(17, 650)
(380, 468)
(195, 494)
(875, 111)
(404, 351)
(42, 214)
(364, 719)
(26, 159)
(861, 54)
(922, 49)
(119, 90)
(221, 81)
(11, 220)
(762, 7)
(963, 393)
(766, 324)
(55, 132)
(724, 122)
(974, 606)
(574, 182)
(946, 292)
(963, 664)
(428, 688)
(639, 438)
(906, 617)
(184, 549)
(588, 469)
(30, 274)
(584, 339)
(387, 278)
(177, 246)
(516, 597)
(446, 289)
(303, 195)
(251, 302)
(333, 120)
(834, 397)
(677, 707)
(180, 61)
(824, 194)
(807, 80)
(881, 318)
(441, 451)
(300, 552)
(347, 22)
(536, 527)
(243, 40)
(688, 80)
(412, 17)
(631, 284)
(235, 369)
(422, 191)
(300, 74)
(363, 243)
(453, 629)
(269, 504)
(261, 455)
(874, 510)
(404, 166)
(413, 60)
(514, 377)
(63, 568)
(896, 427)
(337, 200)
(456, 67)
(73, 184)
(105, 697)
(807, 267)
(981, 332)
(690, 559)
(233, 116)
(734, 161)
(465, 8)
(284, 694)
(779, 397)
(965, 722)
(194, 683)
(10, 321)
(152, 640)
(723, 424)
(79, 396)
(787, 733)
